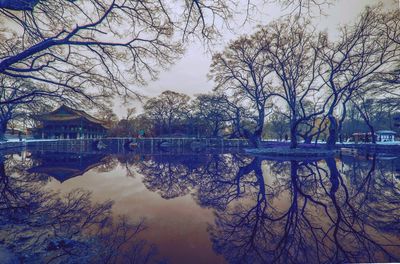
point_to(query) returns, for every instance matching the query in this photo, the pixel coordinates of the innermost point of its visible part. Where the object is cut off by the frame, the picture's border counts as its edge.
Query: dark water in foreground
(197, 208)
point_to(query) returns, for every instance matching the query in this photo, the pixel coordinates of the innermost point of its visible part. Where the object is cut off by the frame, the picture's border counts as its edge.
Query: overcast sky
(189, 74)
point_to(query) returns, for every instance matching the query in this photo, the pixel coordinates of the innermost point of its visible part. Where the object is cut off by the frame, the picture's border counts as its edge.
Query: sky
(189, 74)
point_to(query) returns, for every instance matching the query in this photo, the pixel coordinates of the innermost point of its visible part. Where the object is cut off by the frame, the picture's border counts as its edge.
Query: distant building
(68, 123)
(385, 135)
(380, 136)
(362, 137)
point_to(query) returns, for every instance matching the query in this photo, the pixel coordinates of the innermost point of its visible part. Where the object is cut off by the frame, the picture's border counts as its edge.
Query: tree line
(177, 114)
(290, 80)
(79, 54)
(312, 79)
(82, 53)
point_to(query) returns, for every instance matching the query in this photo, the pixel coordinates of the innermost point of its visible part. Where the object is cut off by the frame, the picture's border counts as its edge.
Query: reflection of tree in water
(224, 179)
(38, 225)
(171, 175)
(310, 214)
(129, 160)
(293, 211)
(378, 194)
(108, 164)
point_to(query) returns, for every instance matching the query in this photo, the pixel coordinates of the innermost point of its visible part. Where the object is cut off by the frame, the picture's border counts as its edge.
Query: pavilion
(386, 135)
(68, 123)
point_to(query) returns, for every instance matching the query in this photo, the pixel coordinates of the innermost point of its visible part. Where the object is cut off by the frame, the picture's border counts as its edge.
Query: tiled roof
(73, 114)
(386, 132)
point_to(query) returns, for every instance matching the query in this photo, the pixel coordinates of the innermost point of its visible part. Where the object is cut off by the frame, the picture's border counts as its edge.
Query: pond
(197, 208)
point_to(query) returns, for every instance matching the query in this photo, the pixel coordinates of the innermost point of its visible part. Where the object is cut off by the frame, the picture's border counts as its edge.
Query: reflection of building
(65, 122)
(63, 166)
(385, 135)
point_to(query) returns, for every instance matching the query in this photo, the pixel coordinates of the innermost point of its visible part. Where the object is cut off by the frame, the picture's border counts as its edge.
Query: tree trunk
(3, 129)
(257, 137)
(216, 129)
(308, 139)
(332, 137)
(372, 130)
(340, 125)
(254, 138)
(293, 136)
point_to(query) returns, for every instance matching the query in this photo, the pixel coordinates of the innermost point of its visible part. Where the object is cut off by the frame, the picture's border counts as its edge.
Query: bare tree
(364, 53)
(209, 109)
(239, 117)
(312, 127)
(106, 115)
(306, 6)
(21, 99)
(167, 110)
(291, 48)
(94, 47)
(104, 46)
(277, 125)
(241, 72)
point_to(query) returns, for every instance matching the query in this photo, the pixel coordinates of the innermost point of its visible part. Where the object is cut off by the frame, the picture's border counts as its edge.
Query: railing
(126, 144)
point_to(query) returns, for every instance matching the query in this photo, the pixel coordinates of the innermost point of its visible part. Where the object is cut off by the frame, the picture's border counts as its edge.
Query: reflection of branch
(353, 225)
(55, 228)
(169, 176)
(258, 229)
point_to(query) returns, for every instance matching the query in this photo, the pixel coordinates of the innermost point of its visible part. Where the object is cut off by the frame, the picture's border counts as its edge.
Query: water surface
(198, 208)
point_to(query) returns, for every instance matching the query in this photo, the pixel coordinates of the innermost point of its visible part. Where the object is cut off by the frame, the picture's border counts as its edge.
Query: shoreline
(287, 152)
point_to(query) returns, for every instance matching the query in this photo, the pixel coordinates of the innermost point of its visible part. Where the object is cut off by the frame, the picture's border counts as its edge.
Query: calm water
(198, 208)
